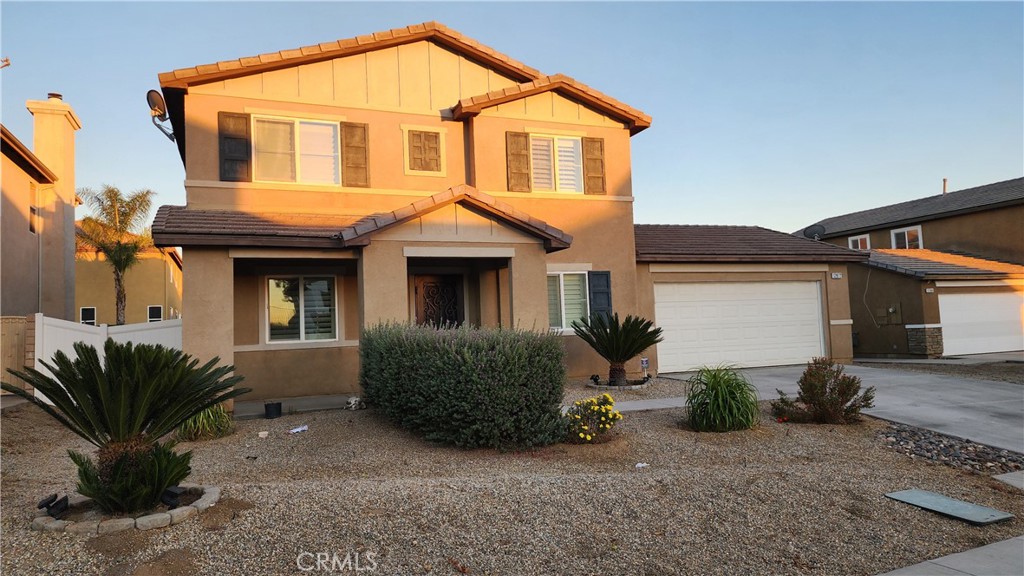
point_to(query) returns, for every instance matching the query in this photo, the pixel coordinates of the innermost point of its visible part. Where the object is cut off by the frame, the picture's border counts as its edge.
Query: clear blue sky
(774, 114)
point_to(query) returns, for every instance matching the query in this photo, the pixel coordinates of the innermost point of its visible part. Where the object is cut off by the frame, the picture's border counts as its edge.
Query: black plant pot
(272, 410)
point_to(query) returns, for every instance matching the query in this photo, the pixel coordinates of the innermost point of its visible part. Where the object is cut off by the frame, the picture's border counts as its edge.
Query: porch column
(383, 284)
(528, 288)
(208, 305)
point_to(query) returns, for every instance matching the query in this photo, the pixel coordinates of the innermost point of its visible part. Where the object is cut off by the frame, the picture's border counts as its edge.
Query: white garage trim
(767, 323)
(981, 322)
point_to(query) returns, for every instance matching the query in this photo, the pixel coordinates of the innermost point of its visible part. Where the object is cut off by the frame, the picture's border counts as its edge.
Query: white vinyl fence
(52, 335)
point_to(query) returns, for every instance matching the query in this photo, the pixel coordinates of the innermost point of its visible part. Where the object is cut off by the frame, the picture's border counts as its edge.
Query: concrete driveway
(983, 411)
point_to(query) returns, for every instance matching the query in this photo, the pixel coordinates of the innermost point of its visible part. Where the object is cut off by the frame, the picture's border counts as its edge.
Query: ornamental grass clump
(469, 387)
(214, 422)
(720, 399)
(827, 396)
(587, 421)
(124, 405)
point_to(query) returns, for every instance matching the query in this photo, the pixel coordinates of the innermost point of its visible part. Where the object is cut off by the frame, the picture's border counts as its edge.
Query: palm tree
(114, 229)
(617, 342)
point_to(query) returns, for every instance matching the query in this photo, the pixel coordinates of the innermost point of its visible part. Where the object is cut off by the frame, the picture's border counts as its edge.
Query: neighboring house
(38, 214)
(408, 175)
(153, 287)
(743, 295)
(945, 274)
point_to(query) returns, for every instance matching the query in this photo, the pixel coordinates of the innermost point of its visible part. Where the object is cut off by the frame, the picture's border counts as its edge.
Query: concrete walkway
(1004, 558)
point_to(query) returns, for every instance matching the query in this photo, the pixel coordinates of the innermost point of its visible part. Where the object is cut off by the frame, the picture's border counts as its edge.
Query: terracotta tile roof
(933, 264)
(177, 226)
(1006, 193)
(358, 234)
(23, 157)
(700, 243)
(183, 77)
(635, 119)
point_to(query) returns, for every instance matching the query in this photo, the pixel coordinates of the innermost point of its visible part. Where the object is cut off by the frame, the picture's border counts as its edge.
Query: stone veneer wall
(925, 341)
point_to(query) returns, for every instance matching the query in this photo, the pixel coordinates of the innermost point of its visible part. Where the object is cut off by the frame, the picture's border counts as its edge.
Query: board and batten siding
(422, 77)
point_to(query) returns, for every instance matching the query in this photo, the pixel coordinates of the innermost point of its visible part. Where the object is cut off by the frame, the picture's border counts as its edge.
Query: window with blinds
(301, 308)
(556, 163)
(301, 151)
(567, 299)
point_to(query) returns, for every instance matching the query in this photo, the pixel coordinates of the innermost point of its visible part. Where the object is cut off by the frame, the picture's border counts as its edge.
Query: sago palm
(127, 402)
(617, 342)
(115, 230)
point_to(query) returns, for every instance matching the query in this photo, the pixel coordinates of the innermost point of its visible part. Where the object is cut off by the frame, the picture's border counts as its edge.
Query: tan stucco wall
(155, 280)
(995, 234)
(879, 332)
(208, 326)
(19, 248)
(304, 372)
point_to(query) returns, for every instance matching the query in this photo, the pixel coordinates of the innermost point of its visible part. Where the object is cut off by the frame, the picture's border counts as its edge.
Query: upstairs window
(33, 208)
(907, 238)
(557, 163)
(554, 163)
(860, 242)
(154, 313)
(424, 150)
(302, 151)
(88, 315)
(301, 308)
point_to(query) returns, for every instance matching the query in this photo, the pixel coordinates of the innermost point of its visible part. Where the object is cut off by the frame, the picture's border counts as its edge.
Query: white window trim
(295, 120)
(920, 236)
(554, 161)
(852, 239)
(301, 342)
(442, 146)
(80, 310)
(567, 326)
(150, 308)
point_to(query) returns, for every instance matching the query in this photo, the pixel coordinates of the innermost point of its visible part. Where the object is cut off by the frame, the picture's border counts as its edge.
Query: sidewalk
(1004, 558)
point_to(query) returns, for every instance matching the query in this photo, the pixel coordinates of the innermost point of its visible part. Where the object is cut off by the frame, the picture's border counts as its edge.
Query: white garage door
(741, 323)
(979, 323)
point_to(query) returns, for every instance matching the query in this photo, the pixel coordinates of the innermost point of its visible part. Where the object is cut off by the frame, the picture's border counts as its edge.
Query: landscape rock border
(606, 387)
(209, 496)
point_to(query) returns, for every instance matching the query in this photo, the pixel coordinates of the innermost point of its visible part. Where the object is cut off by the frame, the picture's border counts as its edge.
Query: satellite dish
(158, 112)
(157, 106)
(814, 231)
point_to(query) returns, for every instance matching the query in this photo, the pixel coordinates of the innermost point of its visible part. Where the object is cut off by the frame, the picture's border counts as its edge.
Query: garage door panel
(982, 322)
(742, 323)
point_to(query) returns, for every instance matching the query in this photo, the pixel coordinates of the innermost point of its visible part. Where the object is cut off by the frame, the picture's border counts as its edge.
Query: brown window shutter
(416, 156)
(235, 147)
(593, 166)
(517, 150)
(355, 155)
(431, 151)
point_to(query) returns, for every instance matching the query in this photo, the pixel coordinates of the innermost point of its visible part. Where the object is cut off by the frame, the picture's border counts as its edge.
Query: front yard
(782, 498)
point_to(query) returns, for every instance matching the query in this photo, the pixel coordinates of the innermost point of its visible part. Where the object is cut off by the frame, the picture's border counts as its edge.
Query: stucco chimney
(53, 142)
(944, 182)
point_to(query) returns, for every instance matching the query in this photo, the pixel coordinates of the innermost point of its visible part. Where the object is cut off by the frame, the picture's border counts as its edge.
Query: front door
(438, 299)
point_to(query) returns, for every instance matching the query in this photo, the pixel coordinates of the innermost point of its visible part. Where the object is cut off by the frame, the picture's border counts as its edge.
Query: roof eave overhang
(182, 239)
(26, 158)
(920, 219)
(634, 122)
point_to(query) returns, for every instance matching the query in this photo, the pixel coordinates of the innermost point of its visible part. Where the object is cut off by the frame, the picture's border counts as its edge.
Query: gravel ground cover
(779, 499)
(576, 389)
(998, 371)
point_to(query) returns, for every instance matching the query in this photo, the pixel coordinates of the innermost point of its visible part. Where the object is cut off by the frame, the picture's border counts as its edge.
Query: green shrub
(720, 399)
(466, 386)
(617, 342)
(588, 420)
(214, 422)
(827, 396)
(134, 485)
(124, 405)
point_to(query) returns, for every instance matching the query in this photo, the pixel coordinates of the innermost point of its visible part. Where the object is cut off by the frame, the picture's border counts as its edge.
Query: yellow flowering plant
(587, 420)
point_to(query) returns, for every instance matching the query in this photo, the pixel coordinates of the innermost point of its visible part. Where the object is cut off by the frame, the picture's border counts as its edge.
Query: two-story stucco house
(413, 175)
(945, 274)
